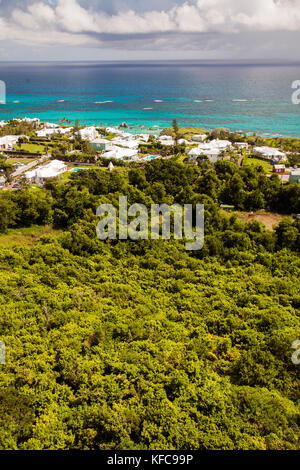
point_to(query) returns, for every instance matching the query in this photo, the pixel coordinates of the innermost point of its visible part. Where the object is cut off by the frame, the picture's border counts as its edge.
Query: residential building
(52, 170)
(295, 176)
(270, 153)
(101, 145)
(89, 133)
(8, 141)
(279, 169)
(199, 137)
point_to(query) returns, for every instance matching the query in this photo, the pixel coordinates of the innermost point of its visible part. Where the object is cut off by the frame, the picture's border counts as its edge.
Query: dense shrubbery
(126, 345)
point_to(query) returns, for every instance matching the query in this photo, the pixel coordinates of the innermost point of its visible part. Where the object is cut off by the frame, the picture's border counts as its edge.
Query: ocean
(238, 96)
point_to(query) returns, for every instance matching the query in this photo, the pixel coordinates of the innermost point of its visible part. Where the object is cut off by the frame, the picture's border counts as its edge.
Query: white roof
(52, 169)
(120, 153)
(9, 139)
(126, 143)
(61, 130)
(269, 151)
(51, 125)
(211, 148)
(295, 172)
(220, 144)
(89, 133)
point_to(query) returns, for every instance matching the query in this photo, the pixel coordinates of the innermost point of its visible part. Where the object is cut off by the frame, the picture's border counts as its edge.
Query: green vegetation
(143, 345)
(258, 162)
(31, 148)
(184, 132)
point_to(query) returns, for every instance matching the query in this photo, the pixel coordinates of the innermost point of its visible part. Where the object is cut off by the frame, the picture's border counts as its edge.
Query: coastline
(251, 98)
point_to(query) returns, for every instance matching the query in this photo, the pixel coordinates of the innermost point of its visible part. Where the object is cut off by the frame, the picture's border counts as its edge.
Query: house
(121, 154)
(52, 170)
(50, 125)
(199, 137)
(295, 176)
(52, 131)
(166, 140)
(101, 145)
(29, 120)
(8, 141)
(213, 150)
(2, 181)
(279, 169)
(242, 145)
(131, 144)
(89, 133)
(270, 153)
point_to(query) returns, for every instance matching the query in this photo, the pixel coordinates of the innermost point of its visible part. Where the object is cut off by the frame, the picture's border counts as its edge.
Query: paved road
(30, 165)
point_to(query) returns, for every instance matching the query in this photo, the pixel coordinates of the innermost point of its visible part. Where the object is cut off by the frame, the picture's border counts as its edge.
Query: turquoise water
(250, 98)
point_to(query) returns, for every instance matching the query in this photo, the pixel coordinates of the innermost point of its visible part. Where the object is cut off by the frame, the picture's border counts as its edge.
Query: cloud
(79, 22)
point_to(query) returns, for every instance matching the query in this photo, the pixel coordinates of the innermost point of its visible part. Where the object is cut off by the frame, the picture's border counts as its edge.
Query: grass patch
(26, 235)
(256, 162)
(32, 148)
(20, 160)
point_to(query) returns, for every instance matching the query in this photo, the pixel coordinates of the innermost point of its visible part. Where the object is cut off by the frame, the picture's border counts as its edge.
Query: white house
(89, 133)
(121, 154)
(57, 130)
(29, 120)
(50, 125)
(199, 137)
(8, 141)
(211, 149)
(183, 142)
(241, 145)
(166, 140)
(131, 144)
(52, 170)
(270, 153)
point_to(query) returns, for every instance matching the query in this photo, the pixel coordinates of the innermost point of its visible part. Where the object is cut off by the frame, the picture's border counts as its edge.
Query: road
(30, 165)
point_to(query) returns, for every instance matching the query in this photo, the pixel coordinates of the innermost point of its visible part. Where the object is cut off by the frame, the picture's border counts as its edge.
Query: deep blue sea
(238, 96)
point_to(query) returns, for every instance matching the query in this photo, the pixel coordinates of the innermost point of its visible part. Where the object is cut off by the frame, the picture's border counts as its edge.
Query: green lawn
(256, 162)
(21, 160)
(32, 148)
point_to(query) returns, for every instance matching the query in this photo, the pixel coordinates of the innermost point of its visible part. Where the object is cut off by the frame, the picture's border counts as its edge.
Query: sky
(42, 30)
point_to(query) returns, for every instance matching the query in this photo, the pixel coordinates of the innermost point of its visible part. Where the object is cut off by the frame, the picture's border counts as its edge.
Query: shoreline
(156, 127)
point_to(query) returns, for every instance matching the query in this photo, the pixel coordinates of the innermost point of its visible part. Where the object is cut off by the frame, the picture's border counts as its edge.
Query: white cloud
(69, 23)
(72, 17)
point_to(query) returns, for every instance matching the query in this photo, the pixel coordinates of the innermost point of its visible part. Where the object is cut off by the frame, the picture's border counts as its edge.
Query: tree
(176, 130)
